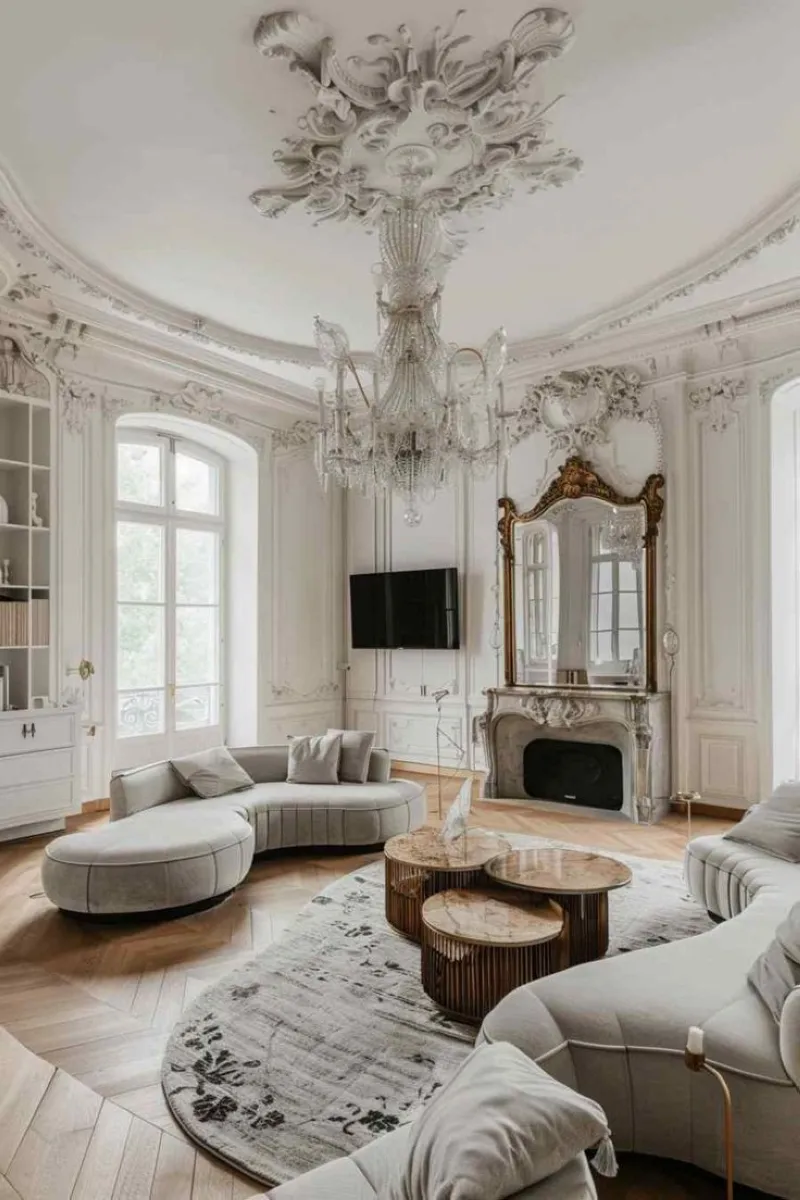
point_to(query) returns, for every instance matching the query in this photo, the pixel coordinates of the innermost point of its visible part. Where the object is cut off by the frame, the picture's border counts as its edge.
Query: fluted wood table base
(493, 945)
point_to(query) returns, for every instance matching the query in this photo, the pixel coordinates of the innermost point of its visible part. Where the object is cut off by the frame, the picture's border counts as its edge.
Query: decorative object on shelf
(695, 1059)
(3, 511)
(85, 669)
(466, 126)
(5, 687)
(457, 819)
(35, 518)
(5, 574)
(441, 407)
(407, 141)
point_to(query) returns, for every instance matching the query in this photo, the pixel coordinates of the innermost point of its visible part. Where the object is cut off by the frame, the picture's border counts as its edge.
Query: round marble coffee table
(478, 945)
(419, 864)
(579, 880)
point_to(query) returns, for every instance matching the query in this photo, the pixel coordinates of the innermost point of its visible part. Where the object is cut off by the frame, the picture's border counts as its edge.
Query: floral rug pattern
(326, 1039)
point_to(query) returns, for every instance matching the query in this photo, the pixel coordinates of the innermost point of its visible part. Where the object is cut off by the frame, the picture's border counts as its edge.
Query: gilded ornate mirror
(579, 584)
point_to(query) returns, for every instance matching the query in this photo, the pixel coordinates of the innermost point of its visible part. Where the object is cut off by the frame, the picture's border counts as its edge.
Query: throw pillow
(314, 759)
(776, 972)
(212, 772)
(499, 1125)
(771, 828)
(786, 796)
(356, 749)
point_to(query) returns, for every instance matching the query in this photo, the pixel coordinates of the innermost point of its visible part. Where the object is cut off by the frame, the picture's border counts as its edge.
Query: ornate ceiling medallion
(462, 130)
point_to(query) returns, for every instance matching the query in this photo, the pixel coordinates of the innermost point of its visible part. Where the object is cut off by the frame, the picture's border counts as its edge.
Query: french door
(170, 528)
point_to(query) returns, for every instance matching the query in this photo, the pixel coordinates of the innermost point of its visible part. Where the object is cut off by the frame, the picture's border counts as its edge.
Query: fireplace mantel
(635, 721)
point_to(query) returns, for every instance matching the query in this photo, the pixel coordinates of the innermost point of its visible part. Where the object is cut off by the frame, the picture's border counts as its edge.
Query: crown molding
(134, 319)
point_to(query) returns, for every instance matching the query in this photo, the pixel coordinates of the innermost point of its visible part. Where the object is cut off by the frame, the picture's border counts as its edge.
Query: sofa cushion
(776, 971)
(212, 772)
(499, 1125)
(770, 827)
(356, 751)
(314, 760)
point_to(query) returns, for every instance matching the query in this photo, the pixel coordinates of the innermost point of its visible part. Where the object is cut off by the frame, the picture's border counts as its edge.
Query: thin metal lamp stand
(439, 697)
(695, 1059)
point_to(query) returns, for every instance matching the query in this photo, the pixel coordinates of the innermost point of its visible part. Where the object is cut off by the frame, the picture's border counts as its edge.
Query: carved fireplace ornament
(579, 583)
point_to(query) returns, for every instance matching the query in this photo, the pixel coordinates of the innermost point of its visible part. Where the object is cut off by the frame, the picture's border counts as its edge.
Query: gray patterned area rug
(326, 1039)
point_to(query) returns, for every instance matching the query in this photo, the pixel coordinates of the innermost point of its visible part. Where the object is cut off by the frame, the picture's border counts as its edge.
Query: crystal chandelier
(622, 535)
(434, 407)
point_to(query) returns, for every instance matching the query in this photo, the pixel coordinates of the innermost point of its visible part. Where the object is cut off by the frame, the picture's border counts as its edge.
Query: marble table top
(489, 917)
(564, 872)
(424, 848)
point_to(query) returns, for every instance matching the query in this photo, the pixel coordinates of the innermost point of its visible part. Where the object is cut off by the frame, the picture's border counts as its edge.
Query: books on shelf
(24, 622)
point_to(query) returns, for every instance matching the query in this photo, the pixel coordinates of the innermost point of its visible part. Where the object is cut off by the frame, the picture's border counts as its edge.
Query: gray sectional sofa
(165, 848)
(616, 1029)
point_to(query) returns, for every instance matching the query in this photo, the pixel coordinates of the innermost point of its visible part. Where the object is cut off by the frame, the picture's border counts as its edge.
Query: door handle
(33, 729)
(25, 731)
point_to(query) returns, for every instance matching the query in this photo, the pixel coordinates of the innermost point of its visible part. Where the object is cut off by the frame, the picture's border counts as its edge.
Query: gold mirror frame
(575, 480)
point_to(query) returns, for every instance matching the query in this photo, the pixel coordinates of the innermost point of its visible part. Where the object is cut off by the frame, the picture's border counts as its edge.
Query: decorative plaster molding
(718, 403)
(297, 436)
(18, 375)
(564, 711)
(463, 128)
(286, 693)
(767, 387)
(575, 408)
(194, 400)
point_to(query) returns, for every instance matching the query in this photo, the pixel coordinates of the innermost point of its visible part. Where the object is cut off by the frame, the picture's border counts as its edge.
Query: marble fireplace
(633, 725)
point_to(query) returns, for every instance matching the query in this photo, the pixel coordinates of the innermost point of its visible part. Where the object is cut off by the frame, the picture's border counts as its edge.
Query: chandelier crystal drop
(431, 408)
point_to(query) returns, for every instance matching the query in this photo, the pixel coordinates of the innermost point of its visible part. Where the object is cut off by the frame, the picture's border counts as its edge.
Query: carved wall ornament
(577, 409)
(79, 400)
(768, 387)
(718, 403)
(287, 693)
(563, 711)
(301, 434)
(464, 128)
(17, 373)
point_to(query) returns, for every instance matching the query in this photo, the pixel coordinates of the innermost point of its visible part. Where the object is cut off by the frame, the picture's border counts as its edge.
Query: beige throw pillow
(771, 828)
(314, 759)
(212, 772)
(501, 1124)
(356, 751)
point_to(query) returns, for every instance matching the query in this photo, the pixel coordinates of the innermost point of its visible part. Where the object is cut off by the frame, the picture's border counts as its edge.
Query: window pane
(140, 646)
(627, 576)
(140, 562)
(604, 577)
(139, 713)
(139, 478)
(602, 648)
(196, 707)
(628, 610)
(196, 569)
(628, 642)
(196, 645)
(196, 485)
(604, 609)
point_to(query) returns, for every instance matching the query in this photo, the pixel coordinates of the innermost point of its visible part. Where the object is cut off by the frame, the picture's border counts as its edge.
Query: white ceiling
(135, 133)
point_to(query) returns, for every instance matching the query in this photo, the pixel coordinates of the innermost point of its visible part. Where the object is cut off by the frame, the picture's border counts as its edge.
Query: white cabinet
(38, 770)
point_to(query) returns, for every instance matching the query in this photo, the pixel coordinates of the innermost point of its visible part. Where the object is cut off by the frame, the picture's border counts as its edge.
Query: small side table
(419, 864)
(477, 946)
(579, 880)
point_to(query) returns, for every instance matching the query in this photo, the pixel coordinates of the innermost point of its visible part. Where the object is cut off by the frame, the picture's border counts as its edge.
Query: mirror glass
(579, 603)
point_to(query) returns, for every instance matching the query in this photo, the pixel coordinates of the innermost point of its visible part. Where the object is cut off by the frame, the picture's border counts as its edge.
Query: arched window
(785, 580)
(170, 594)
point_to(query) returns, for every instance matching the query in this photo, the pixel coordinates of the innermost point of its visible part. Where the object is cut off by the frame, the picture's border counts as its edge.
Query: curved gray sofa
(166, 848)
(283, 814)
(615, 1029)
(359, 1177)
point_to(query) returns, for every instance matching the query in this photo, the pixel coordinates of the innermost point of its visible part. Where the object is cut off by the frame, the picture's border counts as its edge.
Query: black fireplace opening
(587, 773)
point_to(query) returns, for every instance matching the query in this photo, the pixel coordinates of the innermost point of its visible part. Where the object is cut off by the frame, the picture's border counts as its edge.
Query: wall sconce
(84, 668)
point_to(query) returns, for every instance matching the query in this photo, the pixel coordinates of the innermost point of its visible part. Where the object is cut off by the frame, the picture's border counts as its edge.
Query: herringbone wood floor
(82, 1116)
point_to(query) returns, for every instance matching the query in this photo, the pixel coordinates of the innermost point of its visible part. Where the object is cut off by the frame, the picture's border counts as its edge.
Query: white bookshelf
(38, 738)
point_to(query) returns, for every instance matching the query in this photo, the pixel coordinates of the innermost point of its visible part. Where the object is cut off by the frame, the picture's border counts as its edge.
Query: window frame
(171, 518)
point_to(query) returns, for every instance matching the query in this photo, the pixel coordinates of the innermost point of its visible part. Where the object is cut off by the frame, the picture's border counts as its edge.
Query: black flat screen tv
(405, 610)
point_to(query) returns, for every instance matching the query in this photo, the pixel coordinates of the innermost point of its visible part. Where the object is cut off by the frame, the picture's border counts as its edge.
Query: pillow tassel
(605, 1160)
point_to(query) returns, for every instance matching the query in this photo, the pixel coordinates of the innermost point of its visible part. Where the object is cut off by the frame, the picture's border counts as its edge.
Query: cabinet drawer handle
(24, 731)
(33, 729)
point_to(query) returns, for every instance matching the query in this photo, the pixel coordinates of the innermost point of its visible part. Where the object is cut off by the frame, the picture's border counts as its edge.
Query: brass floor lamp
(695, 1059)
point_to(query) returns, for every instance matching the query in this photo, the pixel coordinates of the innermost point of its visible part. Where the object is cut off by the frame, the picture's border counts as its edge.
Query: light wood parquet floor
(87, 1010)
